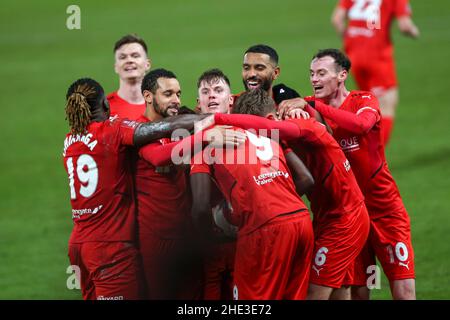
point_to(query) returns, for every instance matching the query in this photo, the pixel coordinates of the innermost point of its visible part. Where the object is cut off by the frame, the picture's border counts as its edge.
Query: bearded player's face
(258, 71)
(325, 77)
(166, 100)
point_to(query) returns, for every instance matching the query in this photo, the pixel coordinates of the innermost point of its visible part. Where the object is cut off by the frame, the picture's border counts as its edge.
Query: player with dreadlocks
(102, 243)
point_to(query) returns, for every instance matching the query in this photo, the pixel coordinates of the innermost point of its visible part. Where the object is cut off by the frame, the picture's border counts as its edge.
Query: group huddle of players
(230, 223)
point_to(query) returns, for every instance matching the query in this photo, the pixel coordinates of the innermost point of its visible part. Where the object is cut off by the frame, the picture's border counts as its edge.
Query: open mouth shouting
(318, 89)
(253, 83)
(130, 68)
(213, 106)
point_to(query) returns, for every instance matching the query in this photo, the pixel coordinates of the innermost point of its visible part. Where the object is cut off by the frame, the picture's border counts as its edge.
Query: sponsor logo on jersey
(349, 144)
(269, 177)
(77, 213)
(347, 165)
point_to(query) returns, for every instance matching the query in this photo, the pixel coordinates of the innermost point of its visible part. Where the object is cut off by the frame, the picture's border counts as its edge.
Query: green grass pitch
(41, 57)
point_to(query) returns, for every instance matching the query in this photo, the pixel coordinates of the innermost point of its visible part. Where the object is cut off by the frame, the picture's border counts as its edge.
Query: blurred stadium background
(40, 57)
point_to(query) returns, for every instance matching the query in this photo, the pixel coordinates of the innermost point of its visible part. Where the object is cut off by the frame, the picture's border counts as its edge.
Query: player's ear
(148, 64)
(276, 73)
(116, 66)
(148, 96)
(342, 76)
(231, 101)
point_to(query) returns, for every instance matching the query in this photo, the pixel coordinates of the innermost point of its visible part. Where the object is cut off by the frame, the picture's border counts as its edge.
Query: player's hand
(220, 136)
(298, 114)
(287, 106)
(204, 123)
(228, 230)
(415, 33)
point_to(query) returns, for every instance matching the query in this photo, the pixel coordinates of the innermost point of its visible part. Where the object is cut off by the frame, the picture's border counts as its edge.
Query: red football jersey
(101, 186)
(252, 177)
(336, 190)
(124, 109)
(366, 155)
(164, 201)
(369, 23)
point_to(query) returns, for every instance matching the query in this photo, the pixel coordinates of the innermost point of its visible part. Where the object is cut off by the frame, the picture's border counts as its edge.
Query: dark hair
(211, 76)
(82, 96)
(130, 38)
(340, 59)
(150, 81)
(256, 102)
(262, 48)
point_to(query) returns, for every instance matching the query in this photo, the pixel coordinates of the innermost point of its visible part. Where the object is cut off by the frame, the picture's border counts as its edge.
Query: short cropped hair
(211, 76)
(340, 59)
(256, 102)
(262, 48)
(150, 81)
(130, 38)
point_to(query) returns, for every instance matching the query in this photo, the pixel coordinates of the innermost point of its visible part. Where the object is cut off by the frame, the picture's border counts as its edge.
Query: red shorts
(376, 75)
(338, 241)
(108, 270)
(273, 262)
(219, 268)
(390, 241)
(172, 268)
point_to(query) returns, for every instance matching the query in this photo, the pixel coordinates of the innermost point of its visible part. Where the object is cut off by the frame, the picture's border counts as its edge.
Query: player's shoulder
(114, 122)
(362, 97)
(363, 100)
(112, 96)
(360, 94)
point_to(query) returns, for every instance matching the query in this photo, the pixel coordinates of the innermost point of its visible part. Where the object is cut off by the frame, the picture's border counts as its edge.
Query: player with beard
(131, 64)
(354, 117)
(341, 222)
(275, 240)
(260, 69)
(103, 240)
(172, 269)
(214, 96)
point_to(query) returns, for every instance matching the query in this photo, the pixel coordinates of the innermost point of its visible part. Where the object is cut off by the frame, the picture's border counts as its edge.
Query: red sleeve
(402, 8)
(311, 130)
(126, 130)
(312, 112)
(287, 130)
(358, 123)
(345, 4)
(161, 154)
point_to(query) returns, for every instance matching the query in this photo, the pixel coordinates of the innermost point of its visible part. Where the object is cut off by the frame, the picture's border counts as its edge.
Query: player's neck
(338, 98)
(151, 114)
(130, 91)
(98, 115)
